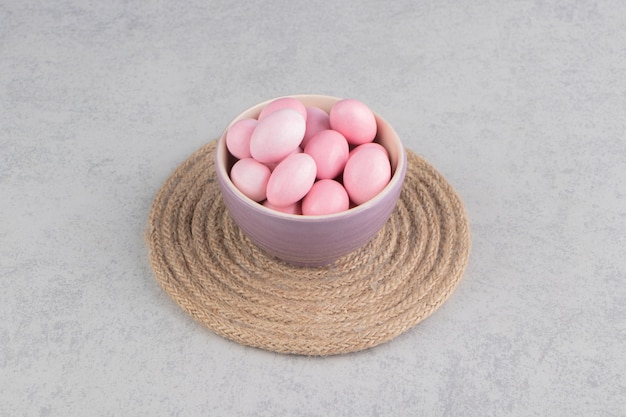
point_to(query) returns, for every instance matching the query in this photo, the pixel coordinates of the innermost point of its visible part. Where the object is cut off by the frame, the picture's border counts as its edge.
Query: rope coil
(218, 276)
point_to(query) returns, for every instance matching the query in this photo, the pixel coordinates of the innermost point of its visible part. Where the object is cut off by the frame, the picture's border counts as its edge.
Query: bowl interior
(386, 136)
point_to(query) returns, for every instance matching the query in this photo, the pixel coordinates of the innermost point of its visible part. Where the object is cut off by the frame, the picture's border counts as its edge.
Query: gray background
(520, 104)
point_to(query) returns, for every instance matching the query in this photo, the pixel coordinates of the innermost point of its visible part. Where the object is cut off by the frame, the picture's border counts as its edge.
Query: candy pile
(301, 160)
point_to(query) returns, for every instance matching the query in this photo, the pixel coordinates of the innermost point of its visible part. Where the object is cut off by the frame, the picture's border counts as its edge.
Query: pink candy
(354, 120)
(283, 103)
(291, 180)
(316, 121)
(330, 151)
(325, 197)
(302, 160)
(367, 172)
(238, 138)
(277, 135)
(251, 178)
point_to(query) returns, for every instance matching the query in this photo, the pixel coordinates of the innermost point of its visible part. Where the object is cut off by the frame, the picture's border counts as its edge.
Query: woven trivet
(219, 277)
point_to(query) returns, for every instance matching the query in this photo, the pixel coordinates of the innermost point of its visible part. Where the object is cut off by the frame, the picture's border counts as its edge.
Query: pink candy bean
(251, 178)
(277, 135)
(354, 120)
(330, 151)
(316, 121)
(291, 180)
(367, 172)
(238, 138)
(325, 197)
(283, 103)
(370, 145)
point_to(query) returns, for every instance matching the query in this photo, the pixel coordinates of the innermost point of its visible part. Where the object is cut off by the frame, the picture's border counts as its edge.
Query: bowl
(312, 240)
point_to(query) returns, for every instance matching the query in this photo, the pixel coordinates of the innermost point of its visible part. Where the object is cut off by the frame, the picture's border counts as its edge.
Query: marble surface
(520, 104)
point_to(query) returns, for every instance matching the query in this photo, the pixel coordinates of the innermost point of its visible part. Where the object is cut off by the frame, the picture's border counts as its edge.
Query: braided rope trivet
(211, 269)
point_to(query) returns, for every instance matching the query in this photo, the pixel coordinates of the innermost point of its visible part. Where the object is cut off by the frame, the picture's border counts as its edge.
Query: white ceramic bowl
(312, 240)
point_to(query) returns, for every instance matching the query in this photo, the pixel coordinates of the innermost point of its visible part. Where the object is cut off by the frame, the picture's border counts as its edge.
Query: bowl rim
(396, 179)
